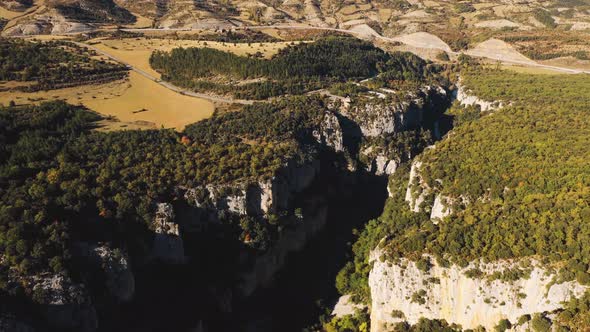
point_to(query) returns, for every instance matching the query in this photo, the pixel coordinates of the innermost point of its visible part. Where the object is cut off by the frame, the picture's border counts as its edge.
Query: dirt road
(170, 86)
(495, 56)
(491, 56)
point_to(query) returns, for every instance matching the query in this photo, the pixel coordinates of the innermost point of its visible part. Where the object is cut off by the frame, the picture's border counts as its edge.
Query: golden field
(137, 51)
(136, 103)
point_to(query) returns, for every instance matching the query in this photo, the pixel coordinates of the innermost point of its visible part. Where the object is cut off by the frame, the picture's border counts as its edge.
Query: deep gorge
(300, 292)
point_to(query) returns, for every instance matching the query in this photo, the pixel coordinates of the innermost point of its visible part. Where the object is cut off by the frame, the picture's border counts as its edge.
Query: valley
(296, 165)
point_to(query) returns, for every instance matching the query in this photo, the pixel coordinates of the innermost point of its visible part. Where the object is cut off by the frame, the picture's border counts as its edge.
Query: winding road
(491, 56)
(229, 100)
(167, 85)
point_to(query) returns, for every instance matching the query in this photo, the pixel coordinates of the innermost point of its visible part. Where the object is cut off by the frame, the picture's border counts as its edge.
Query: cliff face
(66, 305)
(479, 294)
(294, 239)
(275, 195)
(377, 118)
(449, 293)
(271, 196)
(465, 98)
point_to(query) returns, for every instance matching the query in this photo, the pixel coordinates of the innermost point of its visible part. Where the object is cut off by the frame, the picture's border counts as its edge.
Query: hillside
(527, 25)
(501, 198)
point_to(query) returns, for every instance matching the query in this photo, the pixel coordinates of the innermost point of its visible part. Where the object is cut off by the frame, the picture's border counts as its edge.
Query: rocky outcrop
(382, 165)
(168, 245)
(460, 296)
(465, 98)
(416, 193)
(440, 208)
(256, 199)
(377, 117)
(330, 133)
(112, 265)
(345, 306)
(65, 304)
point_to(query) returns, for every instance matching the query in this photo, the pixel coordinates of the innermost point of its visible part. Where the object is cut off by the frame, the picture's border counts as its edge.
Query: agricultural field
(34, 71)
(134, 103)
(137, 51)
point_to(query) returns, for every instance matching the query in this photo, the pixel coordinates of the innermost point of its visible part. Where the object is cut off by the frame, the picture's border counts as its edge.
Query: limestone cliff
(402, 292)
(378, 117)
(479, 294)
(209, 203)
(380, 120)
(466, 98)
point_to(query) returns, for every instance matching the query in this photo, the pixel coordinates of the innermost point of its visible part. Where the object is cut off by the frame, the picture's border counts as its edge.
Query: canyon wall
(401, 291)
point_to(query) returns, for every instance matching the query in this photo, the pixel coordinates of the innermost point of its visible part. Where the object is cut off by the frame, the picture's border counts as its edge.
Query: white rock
(168, 245)
(440, 208)
(415, 179)
(345, 306)
(164, 221)
(330, 133)
(384, 166)
(466, 99)
(460, 299)
(391, 167)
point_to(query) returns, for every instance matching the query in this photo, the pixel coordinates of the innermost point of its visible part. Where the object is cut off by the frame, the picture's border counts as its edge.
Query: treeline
(294, 70)
(345, 58)
(225, 36)
(53, 65)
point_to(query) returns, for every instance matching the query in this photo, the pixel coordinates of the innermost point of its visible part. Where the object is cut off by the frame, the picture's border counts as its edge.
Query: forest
(294, 70)
(521, 172)
(61, 182)
(53, 65)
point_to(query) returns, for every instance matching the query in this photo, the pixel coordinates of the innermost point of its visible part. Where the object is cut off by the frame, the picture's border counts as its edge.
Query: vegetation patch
(53, 65)
(550, 44)
(294, 70)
